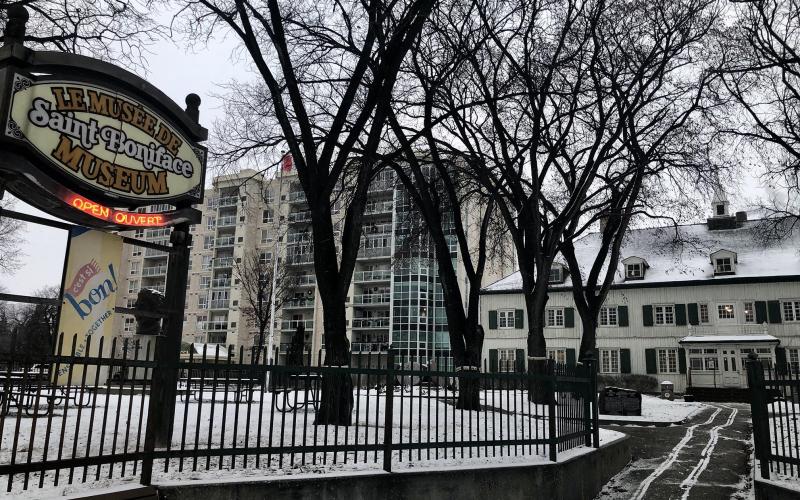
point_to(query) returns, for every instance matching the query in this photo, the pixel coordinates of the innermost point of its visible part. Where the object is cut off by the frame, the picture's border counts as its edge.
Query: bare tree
(119, 30)
(11, 241)
(763, 77)
(325, 72)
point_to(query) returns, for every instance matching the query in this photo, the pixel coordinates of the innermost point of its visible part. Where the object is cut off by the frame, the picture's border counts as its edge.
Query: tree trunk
(588, 338)
(539, 391)
(336, 393)
(469, 382)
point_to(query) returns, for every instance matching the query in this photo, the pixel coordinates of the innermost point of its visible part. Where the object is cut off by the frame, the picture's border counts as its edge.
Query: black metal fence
(230, 414)
(775, 404)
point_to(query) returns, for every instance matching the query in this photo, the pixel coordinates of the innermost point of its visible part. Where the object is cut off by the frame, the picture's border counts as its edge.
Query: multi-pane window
(208, 241)
(207, 259)
(710, 362)
(205, 281)
(554, 316)
(507, 360)
(704, 317)
(608, 316)
(265, 236)
(793, 356)
(265, 257)
(723, 265)
(555, 275)
(726, 311)
(134, 268)
(667, 361)
(139, 233)
(664, 314)
(211, 222)
(609, 361)
(267, 216)
(136, 251)
(133, 286)
(505, 318)
(557, 355)
(268, 196)
(634, 270)
(749, 313)
(130, 324)
(791, 310)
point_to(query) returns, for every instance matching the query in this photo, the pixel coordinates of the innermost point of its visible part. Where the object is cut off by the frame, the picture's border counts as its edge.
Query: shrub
(641, 383)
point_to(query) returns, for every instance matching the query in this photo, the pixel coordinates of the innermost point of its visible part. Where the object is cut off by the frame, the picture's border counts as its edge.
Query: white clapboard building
(687, 310)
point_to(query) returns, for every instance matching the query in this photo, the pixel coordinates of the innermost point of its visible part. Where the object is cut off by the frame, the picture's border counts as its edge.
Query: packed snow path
(706, 458)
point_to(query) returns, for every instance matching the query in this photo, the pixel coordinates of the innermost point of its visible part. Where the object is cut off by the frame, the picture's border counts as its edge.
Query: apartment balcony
(228, 201)
(158, 233)
(228, 221)
(372, 276)
(284, 347)
(154, 271)
(372, 298)
(216, 338)
(152, 252)
(221, 283)
(306, 258)
(730, 329)
(370, 323)
(158, 288)
(369, 347)
(306, 280)
(298, 304)
(215, 326)
(380, 185)
(296, 217)
(298, 238)
(373, 253)
(292, 324)
(297, 197)
(225, 241)
(223, 262)
(219, 304)
(381, 207)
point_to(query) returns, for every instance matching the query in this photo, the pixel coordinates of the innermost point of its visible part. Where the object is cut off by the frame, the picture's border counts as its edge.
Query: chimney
(741, 217)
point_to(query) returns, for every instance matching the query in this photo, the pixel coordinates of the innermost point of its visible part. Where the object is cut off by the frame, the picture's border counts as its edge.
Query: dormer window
(556, 274)
(719, 209)
(724, 262)
(635, 268)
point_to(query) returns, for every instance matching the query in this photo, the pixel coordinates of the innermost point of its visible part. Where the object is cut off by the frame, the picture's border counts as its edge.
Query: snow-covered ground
(659, 410)
(417, 418)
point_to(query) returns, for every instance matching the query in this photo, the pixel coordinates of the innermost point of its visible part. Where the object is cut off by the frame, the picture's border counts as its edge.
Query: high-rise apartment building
(395, 297)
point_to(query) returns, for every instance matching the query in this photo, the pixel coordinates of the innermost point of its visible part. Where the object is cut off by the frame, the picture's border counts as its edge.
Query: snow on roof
(684, 253)
(210, 350)
(727, 339)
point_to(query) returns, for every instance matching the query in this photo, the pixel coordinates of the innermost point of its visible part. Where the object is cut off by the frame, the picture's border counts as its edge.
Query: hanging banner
(90, 289)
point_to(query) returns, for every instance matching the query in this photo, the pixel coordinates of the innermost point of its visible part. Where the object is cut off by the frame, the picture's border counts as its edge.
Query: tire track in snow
(673, 455)
(713, 438)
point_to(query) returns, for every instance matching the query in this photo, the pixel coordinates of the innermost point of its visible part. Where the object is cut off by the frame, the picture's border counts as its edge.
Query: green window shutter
(625, 360)
(622, 315)
(647, 315)
(774, 311)
(519, 318)
(694, 317)
(570, 356)
(650, 361)
(761, 312)
(519, 360)
(780, 360)
(493, 361)
(680, 314)
(682, 360)
(569, 317)
(492, 320)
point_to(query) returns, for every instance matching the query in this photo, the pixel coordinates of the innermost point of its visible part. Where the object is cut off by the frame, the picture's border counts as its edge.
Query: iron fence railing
(233, 410)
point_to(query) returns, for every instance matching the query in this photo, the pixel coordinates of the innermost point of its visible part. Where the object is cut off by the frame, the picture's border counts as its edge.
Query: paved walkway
(706, 458)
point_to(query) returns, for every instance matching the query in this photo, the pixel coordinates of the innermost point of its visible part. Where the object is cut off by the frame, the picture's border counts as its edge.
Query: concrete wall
(577, 478)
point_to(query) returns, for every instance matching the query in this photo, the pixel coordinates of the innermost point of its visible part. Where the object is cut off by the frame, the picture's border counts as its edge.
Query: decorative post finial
(15, 25)
(193, 107)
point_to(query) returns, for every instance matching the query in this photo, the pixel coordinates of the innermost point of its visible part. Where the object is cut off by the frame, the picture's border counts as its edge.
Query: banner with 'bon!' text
(91, 282)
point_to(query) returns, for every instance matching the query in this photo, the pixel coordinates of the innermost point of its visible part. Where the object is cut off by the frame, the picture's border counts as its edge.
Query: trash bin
(667, 390)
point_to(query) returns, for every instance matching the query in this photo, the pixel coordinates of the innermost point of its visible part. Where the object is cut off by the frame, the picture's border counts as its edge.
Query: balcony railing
(306, 258)
(378, 208)
(292, 324)
(223, 262)
(370, 322)
(158, 233)
(284, 347)
(375, 252)
(304, 216)
(741, 329)
(154, 271)
(221, 283)
(228, 201)
(212, 326)
(381, 185)
(225, 241)
(226, 221)
(219, 304)
(372, 298)
(369, 347)
(297, 197)
(306, 280)
(157, 288)
(298, 303)
(152, 252)
(366, 276)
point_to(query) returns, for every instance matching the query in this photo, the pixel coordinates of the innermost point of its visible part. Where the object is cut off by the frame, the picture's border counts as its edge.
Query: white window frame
(609, 361)
(722, 308)
(554, 317)
(129, 325)
(749, 311)
(558, 277)
(703, 313)
(267, 216)
(792, 313)
(136, 251)
(505, 319)
(606, 316)
(134, 268)
(634, 270)
(667, 359)
(665, 310)
(506, 360)
(793, 358)
(723, 265)
(133, 286)
(559, 355)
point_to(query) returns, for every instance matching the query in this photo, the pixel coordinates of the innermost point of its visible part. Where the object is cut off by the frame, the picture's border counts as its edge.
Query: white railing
(226, 221)
(375, 252)
(211, 326)
(154, 271)
(298, 303)
(292, 324)
(378, 207)
(370, 322)
(738, 329)
(221, 283)
(297, 196)
(372, 298)
(377, 275)
(228, 201)
(225, 241)
(304, 216)
(306, 280)
(223, 262)
(306, 258)
(219, 304)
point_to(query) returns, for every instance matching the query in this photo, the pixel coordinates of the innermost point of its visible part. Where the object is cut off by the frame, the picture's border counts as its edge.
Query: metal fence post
(759, 412)
(551, 410)
(591, 366)
(389, 410)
